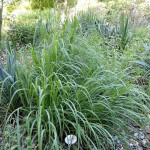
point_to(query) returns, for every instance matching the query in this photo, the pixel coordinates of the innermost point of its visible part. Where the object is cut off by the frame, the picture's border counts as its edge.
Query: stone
(141, 135)
(144, 142)
(139, 148)
(133, 144)
(136, 135)
(119, 147)
(147, 129)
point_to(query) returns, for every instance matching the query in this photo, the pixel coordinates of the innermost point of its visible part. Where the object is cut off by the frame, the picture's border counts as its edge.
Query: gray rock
(136, 135)
(139, 148)
(147, 129)
(141, 136)
(144, 142)
(119, 147)
(133, 144)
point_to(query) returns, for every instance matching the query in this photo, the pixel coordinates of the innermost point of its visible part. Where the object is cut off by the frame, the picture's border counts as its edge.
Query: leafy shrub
(28, 26)
(72, 3)
(12, 6)
(36, 4)
(21, 34)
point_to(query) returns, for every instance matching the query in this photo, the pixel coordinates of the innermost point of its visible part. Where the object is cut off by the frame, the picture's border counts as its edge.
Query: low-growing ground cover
(78, 77)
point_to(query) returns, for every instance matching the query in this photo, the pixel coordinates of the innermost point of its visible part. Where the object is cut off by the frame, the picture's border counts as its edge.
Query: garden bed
(84, 76)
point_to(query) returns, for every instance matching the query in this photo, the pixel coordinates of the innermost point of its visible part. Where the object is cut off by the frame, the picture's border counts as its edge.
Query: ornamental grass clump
(66, 87)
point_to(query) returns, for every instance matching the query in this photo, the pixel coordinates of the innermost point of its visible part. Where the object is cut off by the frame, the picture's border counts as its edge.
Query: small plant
(146, 62)
(86, 23)
(10, 88)
(8, 73)
(8, 78)
(123, 31)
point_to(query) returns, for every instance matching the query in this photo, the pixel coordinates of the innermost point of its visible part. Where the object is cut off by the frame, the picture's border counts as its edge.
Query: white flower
(70, 139)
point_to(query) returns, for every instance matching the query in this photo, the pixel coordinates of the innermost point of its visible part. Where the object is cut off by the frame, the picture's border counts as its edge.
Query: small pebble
(119, 147)
(136, 135)
(141, 135)
(144, 142)
(139, 148)
(133, 144)
(147, 129)
(115, 138)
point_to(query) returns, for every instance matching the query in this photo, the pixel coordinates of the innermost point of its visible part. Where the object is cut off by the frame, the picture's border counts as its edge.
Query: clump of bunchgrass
(68, 88)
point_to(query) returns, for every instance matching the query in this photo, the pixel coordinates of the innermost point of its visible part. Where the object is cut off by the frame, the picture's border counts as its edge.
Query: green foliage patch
(64, 85)
(78, 77)
(21, 34)
(36, 4)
